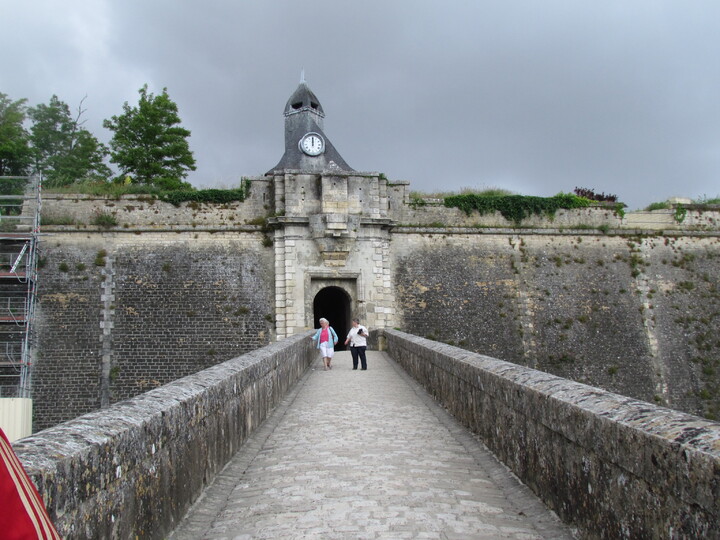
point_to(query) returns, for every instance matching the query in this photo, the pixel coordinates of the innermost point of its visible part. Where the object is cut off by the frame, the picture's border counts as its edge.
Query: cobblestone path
(365, 454)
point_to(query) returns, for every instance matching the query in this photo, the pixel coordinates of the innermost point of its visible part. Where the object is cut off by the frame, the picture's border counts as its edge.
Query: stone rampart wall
(615, 467)
(183, 288)
(120, 313)
(132, 470)
(633, 314)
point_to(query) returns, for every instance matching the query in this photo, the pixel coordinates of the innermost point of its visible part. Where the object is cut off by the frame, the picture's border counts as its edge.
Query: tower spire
(302, 76)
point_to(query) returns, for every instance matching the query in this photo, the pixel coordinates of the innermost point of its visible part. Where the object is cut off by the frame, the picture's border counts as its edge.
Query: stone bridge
(180, 461)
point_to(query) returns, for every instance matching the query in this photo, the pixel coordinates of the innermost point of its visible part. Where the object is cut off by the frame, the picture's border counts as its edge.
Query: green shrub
(515, 208)
(216, 196)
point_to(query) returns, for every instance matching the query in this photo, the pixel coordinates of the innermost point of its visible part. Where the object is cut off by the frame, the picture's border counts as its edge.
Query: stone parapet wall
(613, 466)
(80, 212)
(436, 213)
(386, 200)
(424, 212)
(133, 470)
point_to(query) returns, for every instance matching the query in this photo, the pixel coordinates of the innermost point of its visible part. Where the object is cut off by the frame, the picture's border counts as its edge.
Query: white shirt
(357, 340)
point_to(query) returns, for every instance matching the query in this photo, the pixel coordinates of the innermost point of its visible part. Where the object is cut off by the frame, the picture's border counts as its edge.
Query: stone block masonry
(633, 314)
(132, 470)
(122, 313)
(615, 467)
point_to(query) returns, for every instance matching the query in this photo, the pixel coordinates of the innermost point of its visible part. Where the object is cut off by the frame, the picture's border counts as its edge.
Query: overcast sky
(536, 97)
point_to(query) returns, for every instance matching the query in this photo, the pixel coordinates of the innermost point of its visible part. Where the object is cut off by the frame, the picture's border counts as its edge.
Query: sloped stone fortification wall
(631, 310)
(632, 314)
(615, 467)
(121, 313)
(133, 470)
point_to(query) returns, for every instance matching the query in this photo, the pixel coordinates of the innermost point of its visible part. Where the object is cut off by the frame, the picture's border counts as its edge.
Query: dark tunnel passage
(333, 303)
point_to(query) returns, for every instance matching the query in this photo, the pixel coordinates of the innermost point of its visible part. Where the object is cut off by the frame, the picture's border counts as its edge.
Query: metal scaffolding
(20, 203)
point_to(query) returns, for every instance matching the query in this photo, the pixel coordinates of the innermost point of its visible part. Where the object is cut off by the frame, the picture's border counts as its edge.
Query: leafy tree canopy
(148, 143)
(63, 151)
(14, 147)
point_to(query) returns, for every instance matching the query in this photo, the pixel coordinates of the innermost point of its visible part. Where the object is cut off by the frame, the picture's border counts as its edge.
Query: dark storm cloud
(534, 97)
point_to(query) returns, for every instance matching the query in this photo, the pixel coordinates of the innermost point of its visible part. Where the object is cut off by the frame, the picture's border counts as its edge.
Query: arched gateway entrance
(333, 303)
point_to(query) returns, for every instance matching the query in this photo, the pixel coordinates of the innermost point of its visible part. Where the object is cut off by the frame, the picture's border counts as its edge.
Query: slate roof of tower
(303, 98)
(304, 114)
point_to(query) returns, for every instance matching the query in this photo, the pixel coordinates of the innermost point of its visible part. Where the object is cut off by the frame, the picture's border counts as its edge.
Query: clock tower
(307, 148)
(331, 230)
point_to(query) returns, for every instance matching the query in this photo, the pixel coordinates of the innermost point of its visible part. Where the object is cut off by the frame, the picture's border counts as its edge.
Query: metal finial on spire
(302, 76)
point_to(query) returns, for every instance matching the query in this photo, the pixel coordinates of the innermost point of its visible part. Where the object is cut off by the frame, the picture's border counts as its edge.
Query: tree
(148, 144)
(14, 148)
(63, 151)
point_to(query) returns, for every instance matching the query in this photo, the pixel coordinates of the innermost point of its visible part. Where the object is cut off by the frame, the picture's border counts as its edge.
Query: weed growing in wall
(417, 201)
(657, 206)
(707, 200)
(114, 373)
(57, 220)
(104, 219)
(100, 258)
(680, 213)
(117, 190)
(619, 210)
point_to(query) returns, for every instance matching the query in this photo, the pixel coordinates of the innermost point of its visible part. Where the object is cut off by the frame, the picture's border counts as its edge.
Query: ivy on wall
(515, 208)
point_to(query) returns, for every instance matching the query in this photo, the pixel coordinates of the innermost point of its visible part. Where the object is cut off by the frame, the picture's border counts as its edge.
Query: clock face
(312, 144)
